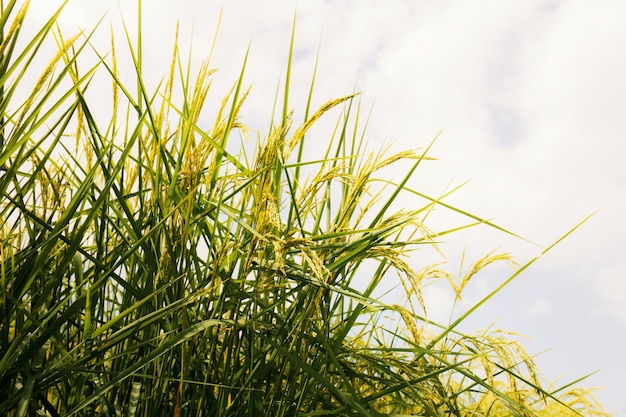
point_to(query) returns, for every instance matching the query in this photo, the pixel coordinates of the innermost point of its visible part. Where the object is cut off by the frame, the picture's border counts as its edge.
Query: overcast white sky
(532, 97)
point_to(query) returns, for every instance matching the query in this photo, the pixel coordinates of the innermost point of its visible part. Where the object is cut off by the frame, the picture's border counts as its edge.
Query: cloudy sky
(532, 99)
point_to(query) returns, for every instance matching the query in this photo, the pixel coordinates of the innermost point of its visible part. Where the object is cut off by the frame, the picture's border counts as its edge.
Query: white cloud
(439, 300)
(539, 307)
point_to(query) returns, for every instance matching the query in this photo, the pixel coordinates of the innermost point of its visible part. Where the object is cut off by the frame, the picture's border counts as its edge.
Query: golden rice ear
(301, 131)
(45, 77)
(7, 38)
(482, 263)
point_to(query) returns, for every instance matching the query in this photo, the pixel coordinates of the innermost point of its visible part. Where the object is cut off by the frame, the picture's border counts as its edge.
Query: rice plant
(156, 265)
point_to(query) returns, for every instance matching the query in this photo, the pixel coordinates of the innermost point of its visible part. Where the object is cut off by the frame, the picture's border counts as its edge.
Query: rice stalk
(161, 271)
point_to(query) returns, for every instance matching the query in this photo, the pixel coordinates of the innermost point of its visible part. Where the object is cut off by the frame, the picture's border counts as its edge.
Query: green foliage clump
(148, 269)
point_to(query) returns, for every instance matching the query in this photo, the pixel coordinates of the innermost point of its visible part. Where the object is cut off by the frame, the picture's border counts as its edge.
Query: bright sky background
(532, 99)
